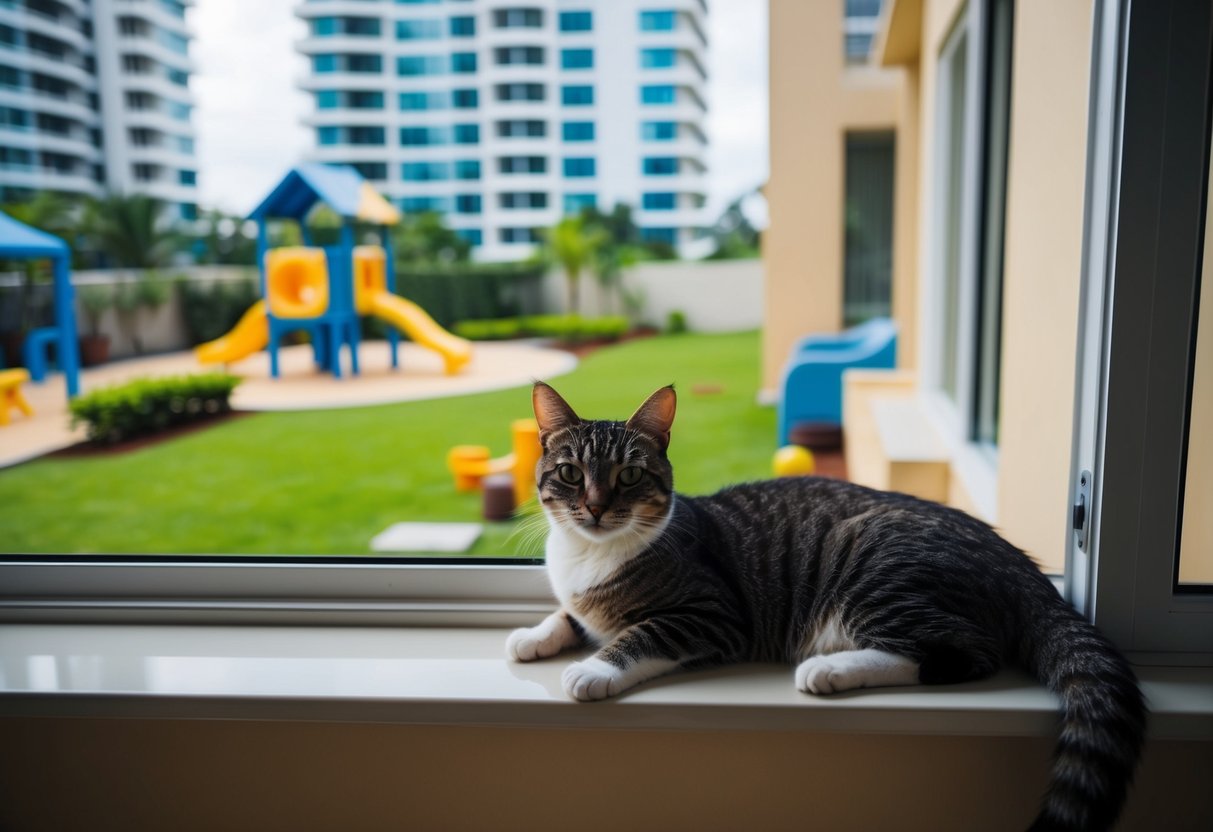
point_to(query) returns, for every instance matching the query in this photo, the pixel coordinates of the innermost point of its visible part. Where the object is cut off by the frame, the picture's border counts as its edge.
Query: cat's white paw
(821, 675)
(850, 669)
(526, 644)
(591, 679)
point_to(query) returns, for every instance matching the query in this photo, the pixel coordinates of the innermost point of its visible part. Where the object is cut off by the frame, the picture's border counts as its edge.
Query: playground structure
(471, 463)
(20, 242)
(326, 291)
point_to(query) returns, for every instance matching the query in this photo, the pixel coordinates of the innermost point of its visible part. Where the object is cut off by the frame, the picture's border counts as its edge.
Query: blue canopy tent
(20, 242)
(343, 190)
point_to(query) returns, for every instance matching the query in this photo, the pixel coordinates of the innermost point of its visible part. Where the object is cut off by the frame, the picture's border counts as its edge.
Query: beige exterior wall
(1042, 271)
(815, 101)
(135, 775)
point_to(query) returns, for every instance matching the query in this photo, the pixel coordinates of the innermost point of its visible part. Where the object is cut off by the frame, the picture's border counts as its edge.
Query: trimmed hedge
(567, 328)
(143, 406)
(211, 310)
(468, 291)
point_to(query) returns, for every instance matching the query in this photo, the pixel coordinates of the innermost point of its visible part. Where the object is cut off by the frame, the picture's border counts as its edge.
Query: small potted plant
(95, 346)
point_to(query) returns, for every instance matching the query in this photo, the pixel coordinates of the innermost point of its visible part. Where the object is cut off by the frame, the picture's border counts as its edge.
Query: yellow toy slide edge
(411, 319)
(250, 334)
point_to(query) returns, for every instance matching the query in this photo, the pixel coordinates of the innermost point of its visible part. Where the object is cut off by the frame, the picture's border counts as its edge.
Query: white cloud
(249, 107)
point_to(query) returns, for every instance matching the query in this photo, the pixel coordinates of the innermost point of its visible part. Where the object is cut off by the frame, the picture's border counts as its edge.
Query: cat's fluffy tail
(1103, 715)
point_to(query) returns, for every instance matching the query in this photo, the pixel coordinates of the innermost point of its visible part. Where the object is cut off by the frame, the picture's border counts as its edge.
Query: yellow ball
(793, 461)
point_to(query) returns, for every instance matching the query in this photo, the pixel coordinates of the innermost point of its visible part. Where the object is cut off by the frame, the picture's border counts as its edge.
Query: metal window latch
(1080, 511)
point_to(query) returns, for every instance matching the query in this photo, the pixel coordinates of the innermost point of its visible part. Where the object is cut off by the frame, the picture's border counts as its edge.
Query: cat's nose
(596, 511)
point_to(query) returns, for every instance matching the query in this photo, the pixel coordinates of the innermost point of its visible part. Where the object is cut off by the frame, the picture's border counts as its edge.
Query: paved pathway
(494, 367)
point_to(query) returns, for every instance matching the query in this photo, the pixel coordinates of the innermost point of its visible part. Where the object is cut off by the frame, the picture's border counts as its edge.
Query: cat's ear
(656, 416)
(551, 411)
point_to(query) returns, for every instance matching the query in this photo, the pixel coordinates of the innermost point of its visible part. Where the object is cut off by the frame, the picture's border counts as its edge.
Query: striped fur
(857, 587)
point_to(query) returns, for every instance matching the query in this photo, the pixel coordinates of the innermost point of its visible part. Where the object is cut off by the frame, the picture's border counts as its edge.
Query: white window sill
(460, 676)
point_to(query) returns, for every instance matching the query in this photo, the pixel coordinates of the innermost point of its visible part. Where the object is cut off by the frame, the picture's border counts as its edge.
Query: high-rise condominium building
(94, 96)
(506, 116)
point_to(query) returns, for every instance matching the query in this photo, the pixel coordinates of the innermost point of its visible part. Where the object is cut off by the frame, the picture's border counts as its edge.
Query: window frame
(1142, 261)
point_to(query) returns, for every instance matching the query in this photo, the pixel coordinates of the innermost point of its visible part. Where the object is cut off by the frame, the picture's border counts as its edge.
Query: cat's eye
(630, 475)
(569, 473)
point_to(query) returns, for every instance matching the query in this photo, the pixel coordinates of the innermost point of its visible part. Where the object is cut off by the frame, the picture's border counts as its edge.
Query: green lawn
(325, 482)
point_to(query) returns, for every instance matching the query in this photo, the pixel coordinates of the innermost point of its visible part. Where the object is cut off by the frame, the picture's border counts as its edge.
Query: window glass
(579, 166)
(657, 21)
(577, 58)
(578, 131)
(580, 95)
(576, 21)
(657, 94)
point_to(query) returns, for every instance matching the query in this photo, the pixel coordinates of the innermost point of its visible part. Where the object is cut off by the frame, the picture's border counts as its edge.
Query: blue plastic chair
(812, 376)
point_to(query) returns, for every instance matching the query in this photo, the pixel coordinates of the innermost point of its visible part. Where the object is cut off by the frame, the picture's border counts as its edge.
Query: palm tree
(572, 245)
(129, 229)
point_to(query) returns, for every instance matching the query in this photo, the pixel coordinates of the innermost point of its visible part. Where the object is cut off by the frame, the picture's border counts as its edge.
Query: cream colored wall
(1042, 271)
(1196, 538)
(814, 101)
(130, 776)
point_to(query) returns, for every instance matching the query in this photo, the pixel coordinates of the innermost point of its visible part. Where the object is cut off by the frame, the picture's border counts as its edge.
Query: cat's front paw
(527, 644)
(821, 675)
(591, 679)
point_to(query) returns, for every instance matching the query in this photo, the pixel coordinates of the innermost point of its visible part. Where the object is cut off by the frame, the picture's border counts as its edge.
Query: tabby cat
(855, 587)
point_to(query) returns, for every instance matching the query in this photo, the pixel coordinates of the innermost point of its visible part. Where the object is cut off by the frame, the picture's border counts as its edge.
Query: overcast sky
(249, 108)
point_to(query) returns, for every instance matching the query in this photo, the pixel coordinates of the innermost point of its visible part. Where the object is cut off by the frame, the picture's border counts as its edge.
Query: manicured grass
(325, 482)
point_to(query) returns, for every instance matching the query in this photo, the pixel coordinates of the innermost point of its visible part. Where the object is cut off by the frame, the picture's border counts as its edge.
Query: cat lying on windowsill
(855, 587)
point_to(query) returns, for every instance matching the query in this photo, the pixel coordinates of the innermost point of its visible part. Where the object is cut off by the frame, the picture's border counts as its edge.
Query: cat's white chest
(576, 565)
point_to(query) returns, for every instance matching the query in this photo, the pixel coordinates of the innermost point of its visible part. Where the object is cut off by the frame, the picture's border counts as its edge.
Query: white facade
(505, 116)
(95, 97)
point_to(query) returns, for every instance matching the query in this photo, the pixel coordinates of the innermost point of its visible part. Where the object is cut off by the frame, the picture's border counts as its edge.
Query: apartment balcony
(355, 81)
(682, 147)
(360, 44)
(46, 64)
(338, 153)
(157, 120)
(48, 179)
(340, 116)
(326, 8)
(153, 12)
(79, 146)
(47, 27)
(164, 155)
(683, 37)
(147, 46)
(157, 85)
(75, 108)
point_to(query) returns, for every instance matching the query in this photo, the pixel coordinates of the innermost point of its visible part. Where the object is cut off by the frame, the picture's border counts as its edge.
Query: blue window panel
(413, 65)
(659, 131)
(577, 58)
(467, 169)
(363, 63)
(660, 201)
(322, 27)
(658, 21)
(463, 62)
(518, 235)
(471, 236)
(189, 211)
(658, 58)
(467, 134)
(424, 204)
(179, 111)
(328, 100)
(328, 135)
(422, 136)
(376, 171)
(575, 203)
(184, 144)
(465, 99)
(187, 177)
(422, 100)
(669, 236)
(174, 8)
(467, 204)
(177, 76)
(173, 41)
(425, 171)
(364, 100)
(324, 63)
(578, 131)
(658, 94)
(581, 95)
(577, 167)
(365, 135)
(659, 166)
(576, 21)
(463, 26)
(418, 29)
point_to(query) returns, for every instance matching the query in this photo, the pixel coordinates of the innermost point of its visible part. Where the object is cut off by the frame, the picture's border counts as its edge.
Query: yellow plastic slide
(251, 333)
(413, 321)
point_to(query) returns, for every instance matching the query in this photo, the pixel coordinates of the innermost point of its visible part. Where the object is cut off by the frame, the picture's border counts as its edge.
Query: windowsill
(446, 676)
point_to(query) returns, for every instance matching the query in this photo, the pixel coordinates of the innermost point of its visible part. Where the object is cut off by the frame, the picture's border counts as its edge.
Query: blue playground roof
(19, 241)
(340, 187)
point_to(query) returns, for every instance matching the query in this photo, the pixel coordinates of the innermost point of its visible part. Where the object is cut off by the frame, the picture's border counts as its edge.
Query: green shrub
(676, 323)
(142, 406)
(469, 291)
(211, 309)
(566, 328)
